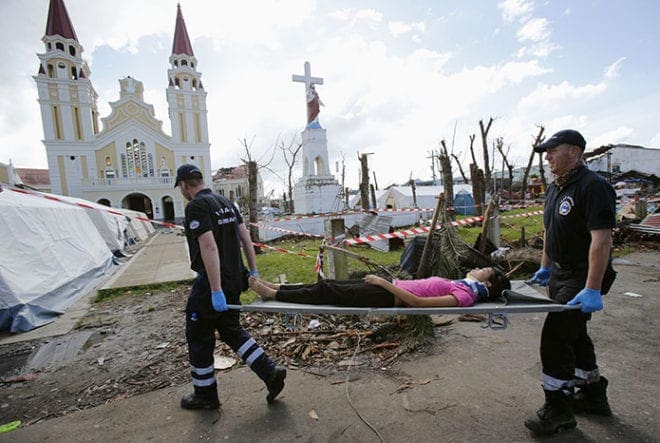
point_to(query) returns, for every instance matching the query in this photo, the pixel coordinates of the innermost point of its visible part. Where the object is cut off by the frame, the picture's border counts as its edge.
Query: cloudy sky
(399, 76)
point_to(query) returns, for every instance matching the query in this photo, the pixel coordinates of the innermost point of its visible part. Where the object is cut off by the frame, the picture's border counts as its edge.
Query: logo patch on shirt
(194, 224)
(565, 205)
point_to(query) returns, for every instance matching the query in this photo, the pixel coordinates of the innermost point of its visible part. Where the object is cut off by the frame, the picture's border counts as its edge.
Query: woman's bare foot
(269, 284)
(260, 288)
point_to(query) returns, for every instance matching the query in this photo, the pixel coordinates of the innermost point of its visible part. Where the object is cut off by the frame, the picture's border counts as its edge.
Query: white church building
(127, 161)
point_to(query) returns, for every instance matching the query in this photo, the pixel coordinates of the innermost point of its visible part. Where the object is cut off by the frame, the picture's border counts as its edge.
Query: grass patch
(112, 293)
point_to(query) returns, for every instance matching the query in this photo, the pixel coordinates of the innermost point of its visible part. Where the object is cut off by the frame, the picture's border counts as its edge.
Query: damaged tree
(499, 144)
(537, 141)
(290, 153)
(447, 178)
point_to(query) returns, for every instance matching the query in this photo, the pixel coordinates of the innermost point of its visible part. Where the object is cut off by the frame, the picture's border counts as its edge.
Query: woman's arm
(410, 299)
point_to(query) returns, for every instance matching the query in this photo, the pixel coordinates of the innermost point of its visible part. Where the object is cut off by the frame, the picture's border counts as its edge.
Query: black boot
(193, 400)
(275, 383)
(592, 399)
(554, 415)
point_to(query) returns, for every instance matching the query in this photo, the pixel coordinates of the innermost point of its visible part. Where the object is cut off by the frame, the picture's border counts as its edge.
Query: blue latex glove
(541, 276)
(591, 300)
(219, 301)
(253, 273)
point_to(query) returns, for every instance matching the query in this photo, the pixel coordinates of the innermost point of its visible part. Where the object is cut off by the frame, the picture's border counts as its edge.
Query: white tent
(110, 226)
(399, 197)
(52, 254)
(139, 228)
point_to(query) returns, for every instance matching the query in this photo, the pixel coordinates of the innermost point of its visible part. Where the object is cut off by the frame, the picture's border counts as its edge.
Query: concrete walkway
(163, 259)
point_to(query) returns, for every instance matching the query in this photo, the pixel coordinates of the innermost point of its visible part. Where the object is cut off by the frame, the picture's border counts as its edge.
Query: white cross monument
(317, 191)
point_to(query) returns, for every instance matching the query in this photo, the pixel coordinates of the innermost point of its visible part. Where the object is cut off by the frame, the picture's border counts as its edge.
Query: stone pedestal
(317, 190)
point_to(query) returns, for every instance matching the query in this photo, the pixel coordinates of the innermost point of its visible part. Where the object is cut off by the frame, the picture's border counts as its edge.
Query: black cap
(565, 137)
(187, 172)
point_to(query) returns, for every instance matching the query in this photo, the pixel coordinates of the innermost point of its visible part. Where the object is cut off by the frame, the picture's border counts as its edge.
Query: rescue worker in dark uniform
(215, 232)
(579, 215)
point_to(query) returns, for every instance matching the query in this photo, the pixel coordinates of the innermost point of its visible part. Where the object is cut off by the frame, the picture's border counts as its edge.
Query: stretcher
(520, 299)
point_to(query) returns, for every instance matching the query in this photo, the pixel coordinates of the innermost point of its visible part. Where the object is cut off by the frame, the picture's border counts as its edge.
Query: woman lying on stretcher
(373, 291)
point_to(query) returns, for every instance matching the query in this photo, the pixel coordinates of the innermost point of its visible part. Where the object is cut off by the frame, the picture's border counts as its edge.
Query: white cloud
(516, 9)
(372, 17)
(622, 134)
(655, 141)
(612, 71)
(535, 30)
(398, 28)
(555, 95)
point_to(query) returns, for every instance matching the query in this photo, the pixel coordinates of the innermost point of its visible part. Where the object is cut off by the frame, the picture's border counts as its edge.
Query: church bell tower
(68, 103)
(186, 100)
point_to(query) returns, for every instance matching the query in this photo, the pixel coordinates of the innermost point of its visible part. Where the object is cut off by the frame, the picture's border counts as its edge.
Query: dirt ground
(468, 384)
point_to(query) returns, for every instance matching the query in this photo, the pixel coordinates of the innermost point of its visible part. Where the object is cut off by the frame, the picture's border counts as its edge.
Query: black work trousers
(566, 348)
(201, 325)
(353, 293)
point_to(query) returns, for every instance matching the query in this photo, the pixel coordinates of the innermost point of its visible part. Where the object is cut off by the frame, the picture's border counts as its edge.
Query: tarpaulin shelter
(52, 254)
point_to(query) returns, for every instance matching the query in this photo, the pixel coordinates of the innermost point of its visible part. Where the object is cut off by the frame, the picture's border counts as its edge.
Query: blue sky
(399, 76)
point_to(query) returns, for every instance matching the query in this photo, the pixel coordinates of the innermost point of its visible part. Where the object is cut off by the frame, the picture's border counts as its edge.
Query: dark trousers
(354, 293)
(200, 334)
(567, 351)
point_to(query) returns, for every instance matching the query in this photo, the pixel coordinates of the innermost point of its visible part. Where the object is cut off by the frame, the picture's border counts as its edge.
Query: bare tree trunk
(423, 267)
(537, 141)
(474, 158)
(542, 172)
(375, 181)
(460, 168)
(374, 203)
(290, 154)
(484, 144)
(447, 179)
(478, 189)
(414, 192)
(252, 200)
(364, 184)
(499, 145)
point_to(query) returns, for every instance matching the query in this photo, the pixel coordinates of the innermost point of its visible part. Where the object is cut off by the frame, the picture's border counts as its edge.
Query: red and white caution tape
(87, 206)
(417, 231)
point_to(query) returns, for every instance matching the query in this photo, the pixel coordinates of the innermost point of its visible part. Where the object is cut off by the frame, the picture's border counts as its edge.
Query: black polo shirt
(587, 202)
(213, 212)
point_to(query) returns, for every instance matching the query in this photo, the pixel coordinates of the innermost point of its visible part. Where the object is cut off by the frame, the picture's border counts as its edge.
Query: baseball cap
(187, 172)
(566, 136)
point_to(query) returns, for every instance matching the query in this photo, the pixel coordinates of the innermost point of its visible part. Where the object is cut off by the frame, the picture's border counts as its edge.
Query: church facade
(125, 159)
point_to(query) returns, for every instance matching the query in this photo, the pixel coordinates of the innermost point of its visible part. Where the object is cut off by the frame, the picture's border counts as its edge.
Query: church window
(74, 74)
(60, 46)
(239, 191)
(198, 128)
(164, 171)
(138, 162)
(176, 83)
(124, 165)
(49, 46)
(109, 171)
(61, 65)
(194, 84)
(182, 128)
(72, 50)
(176, 63)
(184, 63)
(51, 71)
(57, 123)
(77, 123)
(192, 65)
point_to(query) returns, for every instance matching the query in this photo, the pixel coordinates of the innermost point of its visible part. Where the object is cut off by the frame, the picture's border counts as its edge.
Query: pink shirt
(438, 286)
